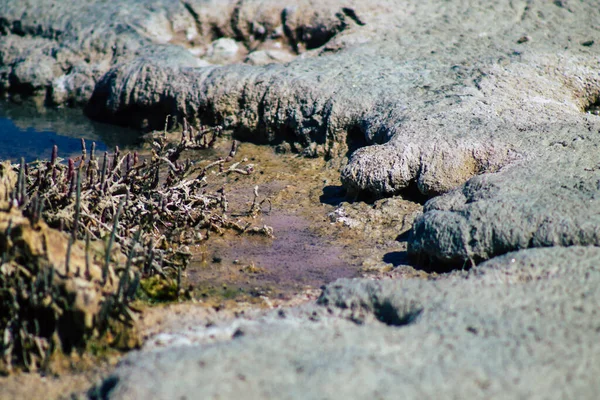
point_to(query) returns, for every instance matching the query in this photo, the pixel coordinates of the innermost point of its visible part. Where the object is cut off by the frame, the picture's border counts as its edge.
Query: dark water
(30, 131)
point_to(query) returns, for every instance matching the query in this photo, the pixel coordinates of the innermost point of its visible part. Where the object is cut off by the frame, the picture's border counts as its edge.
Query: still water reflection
(30, 131)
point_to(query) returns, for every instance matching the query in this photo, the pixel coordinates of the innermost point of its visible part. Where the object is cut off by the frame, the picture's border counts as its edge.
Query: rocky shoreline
(487, 109)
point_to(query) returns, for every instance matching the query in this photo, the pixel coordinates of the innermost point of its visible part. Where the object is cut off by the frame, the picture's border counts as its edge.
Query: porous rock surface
(550, 200)
(521, 326)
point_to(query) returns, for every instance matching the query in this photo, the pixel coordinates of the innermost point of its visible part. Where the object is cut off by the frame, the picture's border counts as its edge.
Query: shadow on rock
(396, 258)
(333, 195)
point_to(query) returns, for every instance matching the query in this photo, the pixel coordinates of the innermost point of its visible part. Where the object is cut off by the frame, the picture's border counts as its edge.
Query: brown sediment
(295, 259)
(309, 248)
(34, 386)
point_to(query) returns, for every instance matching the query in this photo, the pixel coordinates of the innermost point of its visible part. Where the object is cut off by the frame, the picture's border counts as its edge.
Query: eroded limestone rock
(520, 326)
(549, 200)
(443, 97)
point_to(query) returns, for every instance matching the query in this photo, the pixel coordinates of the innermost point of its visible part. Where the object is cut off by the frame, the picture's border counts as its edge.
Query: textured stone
(224, 51)
(263, 57)
(522, 326)
(443, 91)
(549, 200)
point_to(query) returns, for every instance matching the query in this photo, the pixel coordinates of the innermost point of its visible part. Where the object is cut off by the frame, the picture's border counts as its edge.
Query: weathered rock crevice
(370, 302)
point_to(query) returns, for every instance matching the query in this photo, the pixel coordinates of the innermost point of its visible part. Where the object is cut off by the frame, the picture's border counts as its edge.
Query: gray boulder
(521, 326)
(549, 200)
(440, 103)
(443, 91)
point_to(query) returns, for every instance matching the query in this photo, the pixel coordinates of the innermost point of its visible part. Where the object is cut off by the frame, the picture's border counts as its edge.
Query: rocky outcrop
(549, 200)
(490, 106)
(520, 326)
(447, 91)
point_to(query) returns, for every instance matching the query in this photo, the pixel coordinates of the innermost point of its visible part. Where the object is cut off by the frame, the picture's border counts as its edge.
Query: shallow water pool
(29, 131)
